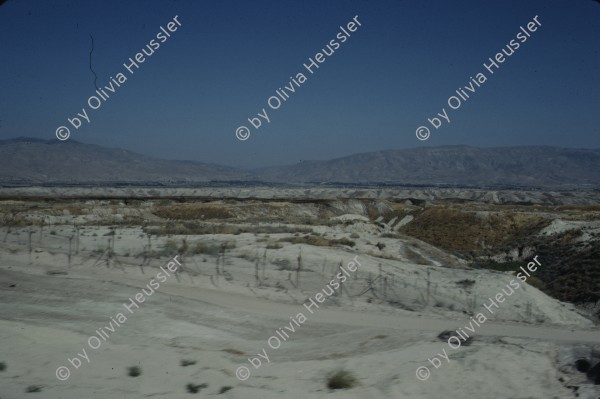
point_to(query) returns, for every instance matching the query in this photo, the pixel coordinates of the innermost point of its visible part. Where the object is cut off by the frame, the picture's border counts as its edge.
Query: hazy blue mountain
(36, 161)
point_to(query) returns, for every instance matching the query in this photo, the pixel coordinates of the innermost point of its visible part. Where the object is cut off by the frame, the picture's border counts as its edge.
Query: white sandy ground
(46, 318)
(588, 228)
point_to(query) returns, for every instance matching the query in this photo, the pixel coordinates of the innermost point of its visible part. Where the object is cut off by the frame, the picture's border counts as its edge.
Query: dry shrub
(458, 230)
(341, 379)
(211, 248)
(195, 228)
(193, 212)
(234, 352)
(319, 241)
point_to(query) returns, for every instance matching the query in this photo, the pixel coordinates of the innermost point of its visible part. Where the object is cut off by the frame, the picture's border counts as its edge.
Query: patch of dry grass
(318, 241)
(233, 352)
(462, 230)
(193, 211)
(194, 228)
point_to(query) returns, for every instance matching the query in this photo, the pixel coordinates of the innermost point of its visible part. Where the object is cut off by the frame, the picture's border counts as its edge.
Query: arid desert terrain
(426, 261)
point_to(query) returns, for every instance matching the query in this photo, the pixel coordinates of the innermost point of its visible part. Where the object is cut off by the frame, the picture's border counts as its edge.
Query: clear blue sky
(229, 57)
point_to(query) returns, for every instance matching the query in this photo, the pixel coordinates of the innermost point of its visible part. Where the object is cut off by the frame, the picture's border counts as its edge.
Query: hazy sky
(228, 57)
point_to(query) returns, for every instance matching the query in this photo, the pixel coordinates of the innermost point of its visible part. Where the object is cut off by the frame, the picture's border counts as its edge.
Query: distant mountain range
(34, 161)
(30, 160)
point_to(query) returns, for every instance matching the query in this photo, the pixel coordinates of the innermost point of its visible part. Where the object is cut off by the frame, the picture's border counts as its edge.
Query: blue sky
(228, 57)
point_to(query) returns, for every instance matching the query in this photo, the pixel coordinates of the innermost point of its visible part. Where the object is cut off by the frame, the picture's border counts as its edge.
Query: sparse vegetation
(193, 211)
(196, 228)
(234, 352)
(185, 363)
(341, 379)
(473, 231)
(283, 264)
(466, 283)
(182, 247)
(33, 388)
(213, 249)
(192, 388)
(134, 371)
(318, 241)
(499, 266)
(446, 334)
(204, 248)
(249, 256)
(225, 389)
(55, 273)
(458, 229)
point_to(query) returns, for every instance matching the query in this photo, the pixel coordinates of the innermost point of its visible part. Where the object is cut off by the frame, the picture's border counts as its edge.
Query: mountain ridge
(30, 161)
